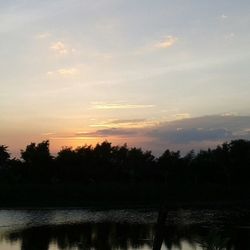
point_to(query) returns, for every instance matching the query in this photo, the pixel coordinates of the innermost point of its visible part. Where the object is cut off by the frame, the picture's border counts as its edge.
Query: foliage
(220, 173)
(4, 155)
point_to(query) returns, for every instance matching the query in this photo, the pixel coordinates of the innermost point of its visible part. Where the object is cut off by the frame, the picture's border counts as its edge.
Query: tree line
(226, 167)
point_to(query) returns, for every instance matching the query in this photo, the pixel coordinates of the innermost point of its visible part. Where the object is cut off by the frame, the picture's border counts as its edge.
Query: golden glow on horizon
(120, 106)
(57, 143)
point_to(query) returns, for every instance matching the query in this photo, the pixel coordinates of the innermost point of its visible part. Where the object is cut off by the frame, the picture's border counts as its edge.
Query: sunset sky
(154, 74)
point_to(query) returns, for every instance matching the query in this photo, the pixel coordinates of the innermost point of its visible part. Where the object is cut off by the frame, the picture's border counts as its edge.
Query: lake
(67, 229)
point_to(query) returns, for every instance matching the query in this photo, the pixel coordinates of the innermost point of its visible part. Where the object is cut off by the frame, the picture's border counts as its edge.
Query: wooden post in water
(159, 233)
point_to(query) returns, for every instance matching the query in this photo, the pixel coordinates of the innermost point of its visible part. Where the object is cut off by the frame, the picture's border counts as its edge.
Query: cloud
(203, 129)
(64, 72)
(125, 123)
(48, 134)
(43, 35)
(198, 129)
(182, 116)
(130, 121)
(167, 42)
(230, 36)
(120, 106)
(109, 132)
(60, 48)
(186, 134)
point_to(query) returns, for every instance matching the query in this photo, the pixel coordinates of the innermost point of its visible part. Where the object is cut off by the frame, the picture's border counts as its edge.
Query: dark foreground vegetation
(105, 173)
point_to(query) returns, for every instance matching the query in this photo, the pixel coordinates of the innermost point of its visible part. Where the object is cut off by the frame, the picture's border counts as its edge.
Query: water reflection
(116, 235)
(84, 236)
(105, 236)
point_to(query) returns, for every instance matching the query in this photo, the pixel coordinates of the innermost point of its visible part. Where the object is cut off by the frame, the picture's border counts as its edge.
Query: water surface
(67, 229)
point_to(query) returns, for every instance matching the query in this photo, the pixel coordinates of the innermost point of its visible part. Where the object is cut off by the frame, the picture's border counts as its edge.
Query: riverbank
(119, 195)
(171, 205)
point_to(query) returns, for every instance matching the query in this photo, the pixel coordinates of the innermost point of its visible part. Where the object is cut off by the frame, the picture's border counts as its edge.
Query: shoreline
(195, 205)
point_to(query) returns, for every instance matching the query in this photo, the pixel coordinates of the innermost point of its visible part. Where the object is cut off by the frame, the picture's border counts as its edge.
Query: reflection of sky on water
(35, 217)
(27, 218)
(120, 229)
(184, 246)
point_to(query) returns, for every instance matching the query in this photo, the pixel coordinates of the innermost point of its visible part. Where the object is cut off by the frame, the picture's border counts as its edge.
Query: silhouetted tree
(223, 172)
(37, 154)
(4, 155)
(38, 160)
(169, 163)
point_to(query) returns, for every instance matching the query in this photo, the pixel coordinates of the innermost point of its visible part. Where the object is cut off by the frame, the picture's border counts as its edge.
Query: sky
(155, 74)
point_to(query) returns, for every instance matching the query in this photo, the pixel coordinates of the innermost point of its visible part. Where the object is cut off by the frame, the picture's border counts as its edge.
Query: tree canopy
(224, 169)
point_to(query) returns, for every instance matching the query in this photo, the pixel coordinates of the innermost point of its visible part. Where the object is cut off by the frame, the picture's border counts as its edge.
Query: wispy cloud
(61, 48)
(43, 35)
(66, 72)
(63, 72)
(126, 123)
(182, 116)
(166, 42)
(229, 114)
(229, 36)
(109, 132)
(48, 134)
(120, 106)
